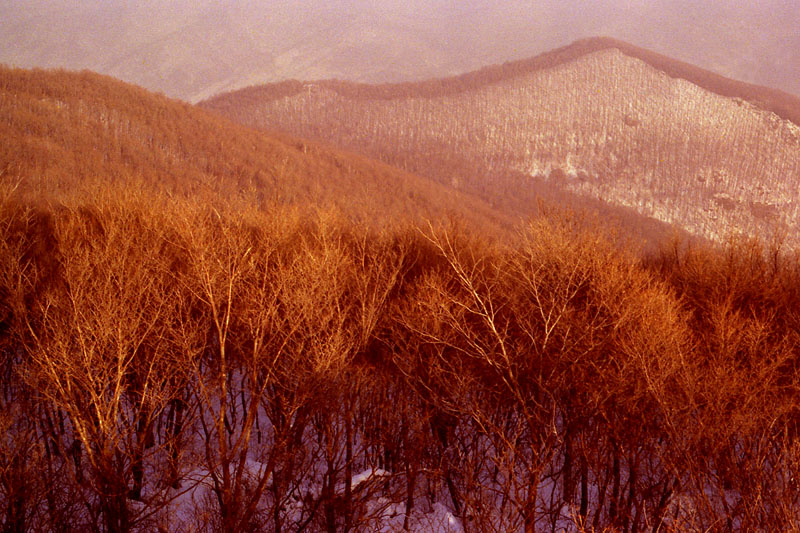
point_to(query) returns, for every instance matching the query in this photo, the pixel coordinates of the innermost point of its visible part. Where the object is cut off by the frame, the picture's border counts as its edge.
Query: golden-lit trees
(607, 344)
(233, 337)
(282, 309)
(533, 353)
(99, 354)
(23, 464)
(352, 277)
(210, 365)
(743, 459)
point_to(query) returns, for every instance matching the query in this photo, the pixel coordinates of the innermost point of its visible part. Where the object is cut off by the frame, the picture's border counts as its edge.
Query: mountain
(599, 118)
(68, 134)
(194, 49)
(198, 334)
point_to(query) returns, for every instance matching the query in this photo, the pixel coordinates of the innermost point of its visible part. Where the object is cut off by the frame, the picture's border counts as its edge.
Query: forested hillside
(68, 133)
(599, 118)
(205, 328)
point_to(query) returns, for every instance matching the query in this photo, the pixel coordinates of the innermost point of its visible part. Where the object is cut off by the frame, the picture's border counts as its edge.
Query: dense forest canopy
(174, 364)
(203, 327)
(67, 132)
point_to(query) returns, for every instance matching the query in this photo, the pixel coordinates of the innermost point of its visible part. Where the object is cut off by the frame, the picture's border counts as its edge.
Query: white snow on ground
(367, 475)
(189, 503)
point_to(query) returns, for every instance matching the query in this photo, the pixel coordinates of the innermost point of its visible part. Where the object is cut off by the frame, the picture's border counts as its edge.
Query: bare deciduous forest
(600, 119)
(206, 328)
(151, 346)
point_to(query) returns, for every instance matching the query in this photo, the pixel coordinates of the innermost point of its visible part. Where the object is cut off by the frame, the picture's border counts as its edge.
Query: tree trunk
(530, 503)
(348, 471)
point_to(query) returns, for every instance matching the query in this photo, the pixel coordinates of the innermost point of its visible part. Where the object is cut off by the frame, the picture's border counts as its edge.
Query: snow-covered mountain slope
(603, 124)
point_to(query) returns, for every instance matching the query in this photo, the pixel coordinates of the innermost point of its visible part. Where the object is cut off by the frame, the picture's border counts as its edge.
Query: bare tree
(99, 355)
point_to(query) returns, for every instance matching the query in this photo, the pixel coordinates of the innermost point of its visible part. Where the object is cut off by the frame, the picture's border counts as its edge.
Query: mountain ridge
(590, 119)
(783, 104)
(155, 44)
(72, 135)
(69, 134)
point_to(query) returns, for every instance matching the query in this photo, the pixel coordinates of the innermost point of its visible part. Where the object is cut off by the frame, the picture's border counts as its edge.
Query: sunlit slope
(67, 133)
(708, 154)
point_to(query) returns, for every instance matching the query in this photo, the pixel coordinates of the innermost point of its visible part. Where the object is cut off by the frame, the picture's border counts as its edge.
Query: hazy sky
(194, 48)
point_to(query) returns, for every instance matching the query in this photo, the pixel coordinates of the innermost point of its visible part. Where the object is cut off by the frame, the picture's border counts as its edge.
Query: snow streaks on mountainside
(605, 125)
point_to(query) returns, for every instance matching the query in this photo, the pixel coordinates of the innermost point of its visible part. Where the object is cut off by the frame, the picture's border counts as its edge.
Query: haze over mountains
(599, 118)
(195, 49)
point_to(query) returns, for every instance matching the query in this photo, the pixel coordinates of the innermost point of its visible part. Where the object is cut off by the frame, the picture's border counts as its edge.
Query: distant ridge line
(783, 104)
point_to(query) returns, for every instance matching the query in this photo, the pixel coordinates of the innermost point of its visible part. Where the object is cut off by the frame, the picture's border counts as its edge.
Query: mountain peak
(783, 104)
(598, 118)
